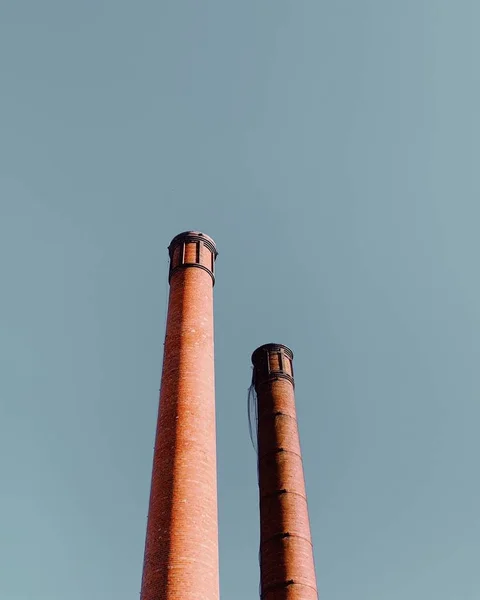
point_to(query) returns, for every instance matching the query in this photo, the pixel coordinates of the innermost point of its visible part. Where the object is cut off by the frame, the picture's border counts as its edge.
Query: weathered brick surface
(181, 550)
(286, 553)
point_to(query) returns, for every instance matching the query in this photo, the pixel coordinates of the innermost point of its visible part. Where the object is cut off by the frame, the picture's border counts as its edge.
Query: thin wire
(167, 290)
(252, 411)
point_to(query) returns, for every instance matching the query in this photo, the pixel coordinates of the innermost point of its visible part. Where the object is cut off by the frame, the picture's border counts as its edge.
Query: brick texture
(286, 552)
(181, 550)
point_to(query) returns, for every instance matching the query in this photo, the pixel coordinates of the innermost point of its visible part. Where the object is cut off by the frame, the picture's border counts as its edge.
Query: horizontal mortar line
(281, 492)
(286, 583)
(277, 414)
(286, 534)
(159, 566)
(278, 451)
(274, 376)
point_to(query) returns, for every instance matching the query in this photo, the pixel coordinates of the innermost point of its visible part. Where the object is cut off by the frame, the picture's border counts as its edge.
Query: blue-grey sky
(331, 148)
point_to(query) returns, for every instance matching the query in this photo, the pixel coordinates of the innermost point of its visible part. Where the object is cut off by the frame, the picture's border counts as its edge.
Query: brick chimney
(181, 549)
(287, 570)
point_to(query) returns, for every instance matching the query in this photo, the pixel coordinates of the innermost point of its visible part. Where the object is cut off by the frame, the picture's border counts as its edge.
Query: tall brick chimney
(181, 549)
(287, 570)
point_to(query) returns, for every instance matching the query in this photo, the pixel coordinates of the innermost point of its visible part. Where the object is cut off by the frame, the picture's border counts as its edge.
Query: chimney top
(271, 362)
(260, 351)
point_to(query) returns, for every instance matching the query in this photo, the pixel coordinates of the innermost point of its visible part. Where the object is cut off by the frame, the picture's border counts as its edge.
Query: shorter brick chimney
(287, 570)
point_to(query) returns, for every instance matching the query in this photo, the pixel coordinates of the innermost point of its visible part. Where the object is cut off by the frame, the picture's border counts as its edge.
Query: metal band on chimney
(281, 585)
(192, 249)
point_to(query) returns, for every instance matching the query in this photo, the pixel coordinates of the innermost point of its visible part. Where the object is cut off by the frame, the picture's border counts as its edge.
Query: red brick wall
(286, 553)
(181, 551)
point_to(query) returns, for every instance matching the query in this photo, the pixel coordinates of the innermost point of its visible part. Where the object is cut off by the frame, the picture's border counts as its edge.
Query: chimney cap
(193, 236)
(260, 351)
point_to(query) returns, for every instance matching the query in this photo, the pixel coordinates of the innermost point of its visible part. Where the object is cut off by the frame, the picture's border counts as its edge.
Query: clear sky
(331, 148)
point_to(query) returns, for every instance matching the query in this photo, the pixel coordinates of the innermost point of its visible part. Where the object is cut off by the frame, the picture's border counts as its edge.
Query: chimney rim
(193, 236)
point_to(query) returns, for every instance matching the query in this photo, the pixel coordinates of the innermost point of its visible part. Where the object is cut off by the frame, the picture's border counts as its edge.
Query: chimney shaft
(286, 554)
(181, 549)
